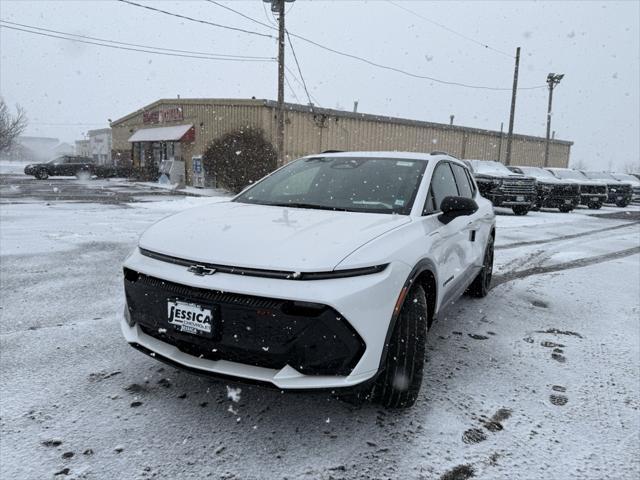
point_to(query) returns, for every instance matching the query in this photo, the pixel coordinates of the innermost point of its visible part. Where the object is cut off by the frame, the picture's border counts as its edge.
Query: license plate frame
(192, 317)
(595, 199)
(520, 198)
(567, 201)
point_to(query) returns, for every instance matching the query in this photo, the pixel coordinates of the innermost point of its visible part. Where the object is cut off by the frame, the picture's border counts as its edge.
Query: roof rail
(437, 152)
(333, 151)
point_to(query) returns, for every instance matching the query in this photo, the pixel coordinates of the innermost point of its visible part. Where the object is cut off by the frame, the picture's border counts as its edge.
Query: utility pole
(280, 6)
(451, 117)
(552, 80)
(500, 142)
(513, 107)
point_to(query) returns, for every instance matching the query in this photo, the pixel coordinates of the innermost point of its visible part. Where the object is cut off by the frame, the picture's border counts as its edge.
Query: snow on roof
(160, 134)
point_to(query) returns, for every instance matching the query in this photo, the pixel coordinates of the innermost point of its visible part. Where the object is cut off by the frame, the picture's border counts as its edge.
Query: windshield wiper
(308, 205)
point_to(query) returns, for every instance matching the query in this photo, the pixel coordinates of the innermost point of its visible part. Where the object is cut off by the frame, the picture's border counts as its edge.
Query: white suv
(326, 274)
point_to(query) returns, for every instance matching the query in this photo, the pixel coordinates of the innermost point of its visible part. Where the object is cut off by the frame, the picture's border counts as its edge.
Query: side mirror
(453, 207)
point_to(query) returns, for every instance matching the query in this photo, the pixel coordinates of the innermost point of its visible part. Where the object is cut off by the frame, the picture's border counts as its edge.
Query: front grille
(594, 189)
(314, 339)
(519, 187)
(565, 190)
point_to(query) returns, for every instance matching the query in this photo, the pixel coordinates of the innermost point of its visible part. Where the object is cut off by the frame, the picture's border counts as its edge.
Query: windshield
(57, 160)
(536, 172)
(490, 168)
(625, 177)
(571, 174)
(599, 175)
(373, 185)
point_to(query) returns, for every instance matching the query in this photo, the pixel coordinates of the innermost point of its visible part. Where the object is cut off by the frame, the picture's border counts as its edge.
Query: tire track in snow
(563, 237)
(582, 262)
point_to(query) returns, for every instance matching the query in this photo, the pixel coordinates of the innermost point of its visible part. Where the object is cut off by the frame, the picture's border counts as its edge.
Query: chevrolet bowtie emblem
(201, 270)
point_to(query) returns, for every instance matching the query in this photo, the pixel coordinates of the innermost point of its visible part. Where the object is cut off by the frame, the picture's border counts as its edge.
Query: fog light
(127, 316)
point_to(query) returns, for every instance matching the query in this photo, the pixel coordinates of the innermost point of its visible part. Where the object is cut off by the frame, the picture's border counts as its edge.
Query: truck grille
(524, 186)
(593, 189)
(567, 190)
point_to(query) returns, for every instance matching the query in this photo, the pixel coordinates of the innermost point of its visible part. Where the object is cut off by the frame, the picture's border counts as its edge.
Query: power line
(449, 29)
(382, 66)
(295, 77)
(295, 57)
(286, 79)
(135, 49)
(243, 15)
(184, 17)
(210, 54)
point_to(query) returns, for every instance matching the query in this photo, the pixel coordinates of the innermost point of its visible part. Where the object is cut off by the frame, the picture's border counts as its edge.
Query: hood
(266, 237)
(499, 176)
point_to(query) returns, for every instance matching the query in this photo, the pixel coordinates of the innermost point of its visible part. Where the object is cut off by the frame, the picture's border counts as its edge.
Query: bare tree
(11, 126)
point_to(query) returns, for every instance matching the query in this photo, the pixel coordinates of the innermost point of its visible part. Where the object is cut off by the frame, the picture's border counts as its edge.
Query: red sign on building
(164, 115)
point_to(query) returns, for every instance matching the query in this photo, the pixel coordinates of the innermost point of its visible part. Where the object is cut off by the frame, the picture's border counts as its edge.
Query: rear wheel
(594, 205)
(520, 210)
(481, 284)
(399, 383)
(622, 203)
(565, 209)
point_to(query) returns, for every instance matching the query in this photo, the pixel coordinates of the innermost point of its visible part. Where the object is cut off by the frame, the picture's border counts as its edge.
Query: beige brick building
(184, 128)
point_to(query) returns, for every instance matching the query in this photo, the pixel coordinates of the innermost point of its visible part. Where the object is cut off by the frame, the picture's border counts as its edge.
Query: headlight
(613, 190)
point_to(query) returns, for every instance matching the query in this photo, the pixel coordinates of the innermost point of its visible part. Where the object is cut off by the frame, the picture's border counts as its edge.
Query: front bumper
(265, 352)
(503, 200)
(589, 198)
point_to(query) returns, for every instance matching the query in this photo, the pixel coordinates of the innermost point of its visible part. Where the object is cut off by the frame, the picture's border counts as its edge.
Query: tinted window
(443, 184)
(463, 182)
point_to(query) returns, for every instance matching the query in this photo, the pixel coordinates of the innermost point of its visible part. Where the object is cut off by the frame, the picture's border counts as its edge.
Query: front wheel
(481, 284)
(42, 175)
(565, 209)
(622, 203)
(594, 205)
(520, 210)
(399, 383)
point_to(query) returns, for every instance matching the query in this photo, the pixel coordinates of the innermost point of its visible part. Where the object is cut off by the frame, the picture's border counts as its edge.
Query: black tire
(482, 283)
(41, 175)
(399, 383)
(594, 205)
(622, 203)
(565, 209)
(520, 210)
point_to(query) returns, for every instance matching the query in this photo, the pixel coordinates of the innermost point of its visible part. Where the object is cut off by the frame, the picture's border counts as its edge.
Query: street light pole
(553, 79)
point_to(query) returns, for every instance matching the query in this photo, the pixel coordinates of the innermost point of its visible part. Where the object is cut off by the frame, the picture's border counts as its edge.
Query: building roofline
(332, 112)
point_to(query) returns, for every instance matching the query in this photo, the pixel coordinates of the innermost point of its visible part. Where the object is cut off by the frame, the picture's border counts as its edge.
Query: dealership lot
(537, 380)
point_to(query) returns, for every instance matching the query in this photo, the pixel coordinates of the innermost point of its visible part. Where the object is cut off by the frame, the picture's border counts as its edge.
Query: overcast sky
(68, 88)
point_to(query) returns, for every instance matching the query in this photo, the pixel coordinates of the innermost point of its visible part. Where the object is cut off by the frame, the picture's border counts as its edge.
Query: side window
(472, 182)
(462, 180)
(443, 184)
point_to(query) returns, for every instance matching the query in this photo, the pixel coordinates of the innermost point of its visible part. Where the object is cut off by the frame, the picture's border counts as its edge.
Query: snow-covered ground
(539, 380)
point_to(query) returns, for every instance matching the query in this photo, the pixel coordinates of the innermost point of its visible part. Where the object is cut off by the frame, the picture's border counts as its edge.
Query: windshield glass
(571, 174)
(374, 185)
(490, 168)
(625, 177)
(536, 172)
(599, 175)
(56, 160)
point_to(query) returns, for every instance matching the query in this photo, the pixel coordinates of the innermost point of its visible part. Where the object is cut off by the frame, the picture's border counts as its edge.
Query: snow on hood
(266, 237)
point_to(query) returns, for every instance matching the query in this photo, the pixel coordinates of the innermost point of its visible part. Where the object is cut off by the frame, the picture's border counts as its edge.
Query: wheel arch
(424, 273)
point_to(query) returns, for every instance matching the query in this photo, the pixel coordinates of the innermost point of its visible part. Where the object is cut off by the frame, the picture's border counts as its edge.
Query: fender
(423, 265)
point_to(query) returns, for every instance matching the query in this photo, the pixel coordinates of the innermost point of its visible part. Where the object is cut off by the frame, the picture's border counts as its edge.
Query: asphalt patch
(473, 435)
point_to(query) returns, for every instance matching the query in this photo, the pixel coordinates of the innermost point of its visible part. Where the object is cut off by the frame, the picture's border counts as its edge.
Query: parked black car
(593, 193)
(552, 192)
(503, 187)
(66, 165)
(619, 192)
